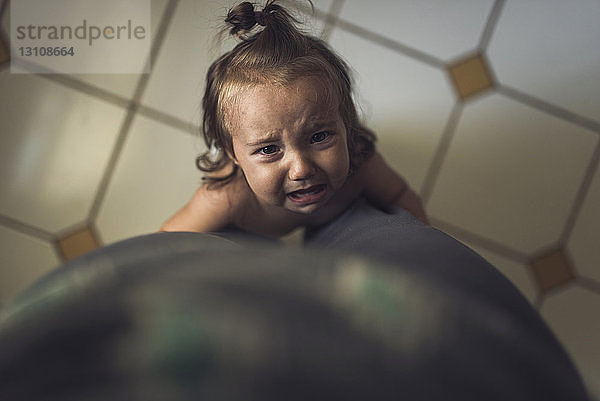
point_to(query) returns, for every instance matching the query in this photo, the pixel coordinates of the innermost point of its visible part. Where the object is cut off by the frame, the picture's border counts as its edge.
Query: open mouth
(309, 195)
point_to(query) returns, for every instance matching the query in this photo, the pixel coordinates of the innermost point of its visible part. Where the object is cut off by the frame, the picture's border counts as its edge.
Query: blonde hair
(278, 54)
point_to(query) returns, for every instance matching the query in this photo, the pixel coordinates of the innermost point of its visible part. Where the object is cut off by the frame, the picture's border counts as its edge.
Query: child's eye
(319, 137)
(268, 150)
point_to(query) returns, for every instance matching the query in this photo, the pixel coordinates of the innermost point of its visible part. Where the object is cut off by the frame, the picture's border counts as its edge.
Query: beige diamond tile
(573, 316)
(23, 259)
(176, 85)
(584, 243)
(77, 243)
(552, 270)
(549, 49)
(511, 173)
(439, 28)
(155, 177)
(406, 103)
(55, 145)
(471, 76)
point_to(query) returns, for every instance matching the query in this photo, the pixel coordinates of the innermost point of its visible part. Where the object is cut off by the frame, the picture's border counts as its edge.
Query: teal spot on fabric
(182, 349)
(388, 305)
(377, 294)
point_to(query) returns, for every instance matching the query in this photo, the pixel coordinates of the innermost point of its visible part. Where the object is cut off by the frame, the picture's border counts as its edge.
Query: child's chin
(306, 209)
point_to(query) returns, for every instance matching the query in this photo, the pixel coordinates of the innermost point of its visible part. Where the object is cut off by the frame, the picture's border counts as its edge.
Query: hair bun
(243, 18)
(260, 18)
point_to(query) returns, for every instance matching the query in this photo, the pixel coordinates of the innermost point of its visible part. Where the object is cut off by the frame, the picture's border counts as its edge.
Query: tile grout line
(3, 8)
(26, 229)
(75, 84)
(86, 88)
(441, 152)
(544, 295)
(325, 16)
(581, 195)
(549, 108)
(112, 164)
(391, 44)
(120, 101)
(491, 24)
(588, 283)
(485, 243)
(167, 119)
(538, 302)
(159, 39)
(131, 113)
(538, 295)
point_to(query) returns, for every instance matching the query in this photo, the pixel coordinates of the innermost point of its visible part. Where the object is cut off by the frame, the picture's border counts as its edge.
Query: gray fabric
(400, 239)
(503, 340)
(187, 316)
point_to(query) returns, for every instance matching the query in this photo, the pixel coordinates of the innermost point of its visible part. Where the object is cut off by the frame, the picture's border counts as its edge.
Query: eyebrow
(267, 138)
(311, 125)
(321, 123)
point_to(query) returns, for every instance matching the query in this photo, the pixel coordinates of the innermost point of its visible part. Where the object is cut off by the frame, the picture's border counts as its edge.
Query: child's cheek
(340, 168)
(263, 181)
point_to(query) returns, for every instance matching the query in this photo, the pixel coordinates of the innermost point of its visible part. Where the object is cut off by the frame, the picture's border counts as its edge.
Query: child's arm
(384, 187)
(208, 210)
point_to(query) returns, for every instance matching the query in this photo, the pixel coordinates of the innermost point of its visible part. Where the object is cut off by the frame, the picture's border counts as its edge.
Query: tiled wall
(490, 108)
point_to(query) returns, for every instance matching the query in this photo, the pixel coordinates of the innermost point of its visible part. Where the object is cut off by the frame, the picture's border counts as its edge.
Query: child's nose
(301, 167)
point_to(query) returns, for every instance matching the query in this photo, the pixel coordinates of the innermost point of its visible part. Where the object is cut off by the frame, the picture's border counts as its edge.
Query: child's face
(291, 144)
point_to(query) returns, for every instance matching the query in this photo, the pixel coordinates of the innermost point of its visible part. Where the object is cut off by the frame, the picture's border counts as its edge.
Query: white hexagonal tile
(176, 86)
(55, 146)
(440, 28)
(125, 84)
(549, 49)
(321, 5)
(406, 103)
(23, 259)
(120, 84)
(573, 316)
(583, 244)
(155, 177)
(511, 173)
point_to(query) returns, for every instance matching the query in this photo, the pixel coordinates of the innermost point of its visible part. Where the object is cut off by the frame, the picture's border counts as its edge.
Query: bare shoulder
(369, 171)
(212, 208)
(381, 183)
(372, 167)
